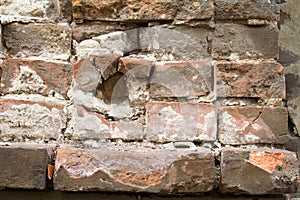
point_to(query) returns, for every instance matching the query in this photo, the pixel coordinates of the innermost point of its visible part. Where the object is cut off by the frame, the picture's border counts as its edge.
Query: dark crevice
(198, 143)
(292, 127)
(113, 90)
(50, 169)
(259, 115)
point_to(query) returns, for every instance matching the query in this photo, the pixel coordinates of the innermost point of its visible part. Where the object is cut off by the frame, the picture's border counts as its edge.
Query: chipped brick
(253, 125)
(134, 170)
(28, 120)
(174, 121)
(258, 171)
(181, 79)
(35, 77)
(250, 79)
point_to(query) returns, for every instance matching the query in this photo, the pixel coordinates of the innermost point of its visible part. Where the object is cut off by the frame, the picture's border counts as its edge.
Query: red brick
(258, 171)
(250, 79)
(135, 67)
(35, 76)
(106, 64)
(27, 120)
(23, 166)
(123, 10)
(253, 125)
(181, 79)
(87, 125)
(174, 121)
(129, 169)
(195, 10)
(126, 10)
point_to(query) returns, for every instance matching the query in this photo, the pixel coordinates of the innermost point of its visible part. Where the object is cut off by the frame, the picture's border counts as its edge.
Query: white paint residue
(251, 137)
(28, 81)
(256, 127)
(34, 121)
(231, 129)
(172, 117)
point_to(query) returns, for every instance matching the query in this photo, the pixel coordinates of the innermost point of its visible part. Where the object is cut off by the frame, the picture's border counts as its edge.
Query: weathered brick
(174, 121)
(105, 64)
(88, 72)
(253, 125)
(246, 9)
(137, 73)
(85, 125)
(27, 120)
(171, 44)
(124, 10)
(200, 36)
(163, 43)
(87, 30)
(134, 170)
(181, 79)
(139, 68)
(23, 166)
(87, 78)
(258, 171)
(195, 10)
(47, 40)
(35, 76)
(57, 10)
(250, 79)
(128, 10)
(237, 41)
(38, 8)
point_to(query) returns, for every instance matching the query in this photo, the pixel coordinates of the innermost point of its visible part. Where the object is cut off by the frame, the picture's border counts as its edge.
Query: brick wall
(191, 98)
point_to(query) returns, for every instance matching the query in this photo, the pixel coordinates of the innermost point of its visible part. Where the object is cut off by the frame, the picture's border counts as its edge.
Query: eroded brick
(258, 171)
(35, 77)
(253, 125)
(87, 30)
(124, 10)
(195, 10)
(57, 10)
(137, 73)
(169, 44)
(181, 79)
(23, 166)
(47, 40)
(118, 10)
(85, 125)
(87, 78)
(28, 120)
(105, 64)
(134, 170)
(237, 41)
(139, 68)
(250, 79)
(246, 9)
(162, 43)
(174, 121)
(40, 8)
(89, 72)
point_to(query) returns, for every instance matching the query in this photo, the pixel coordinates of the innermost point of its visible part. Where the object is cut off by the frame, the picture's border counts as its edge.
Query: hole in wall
(113, 90)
